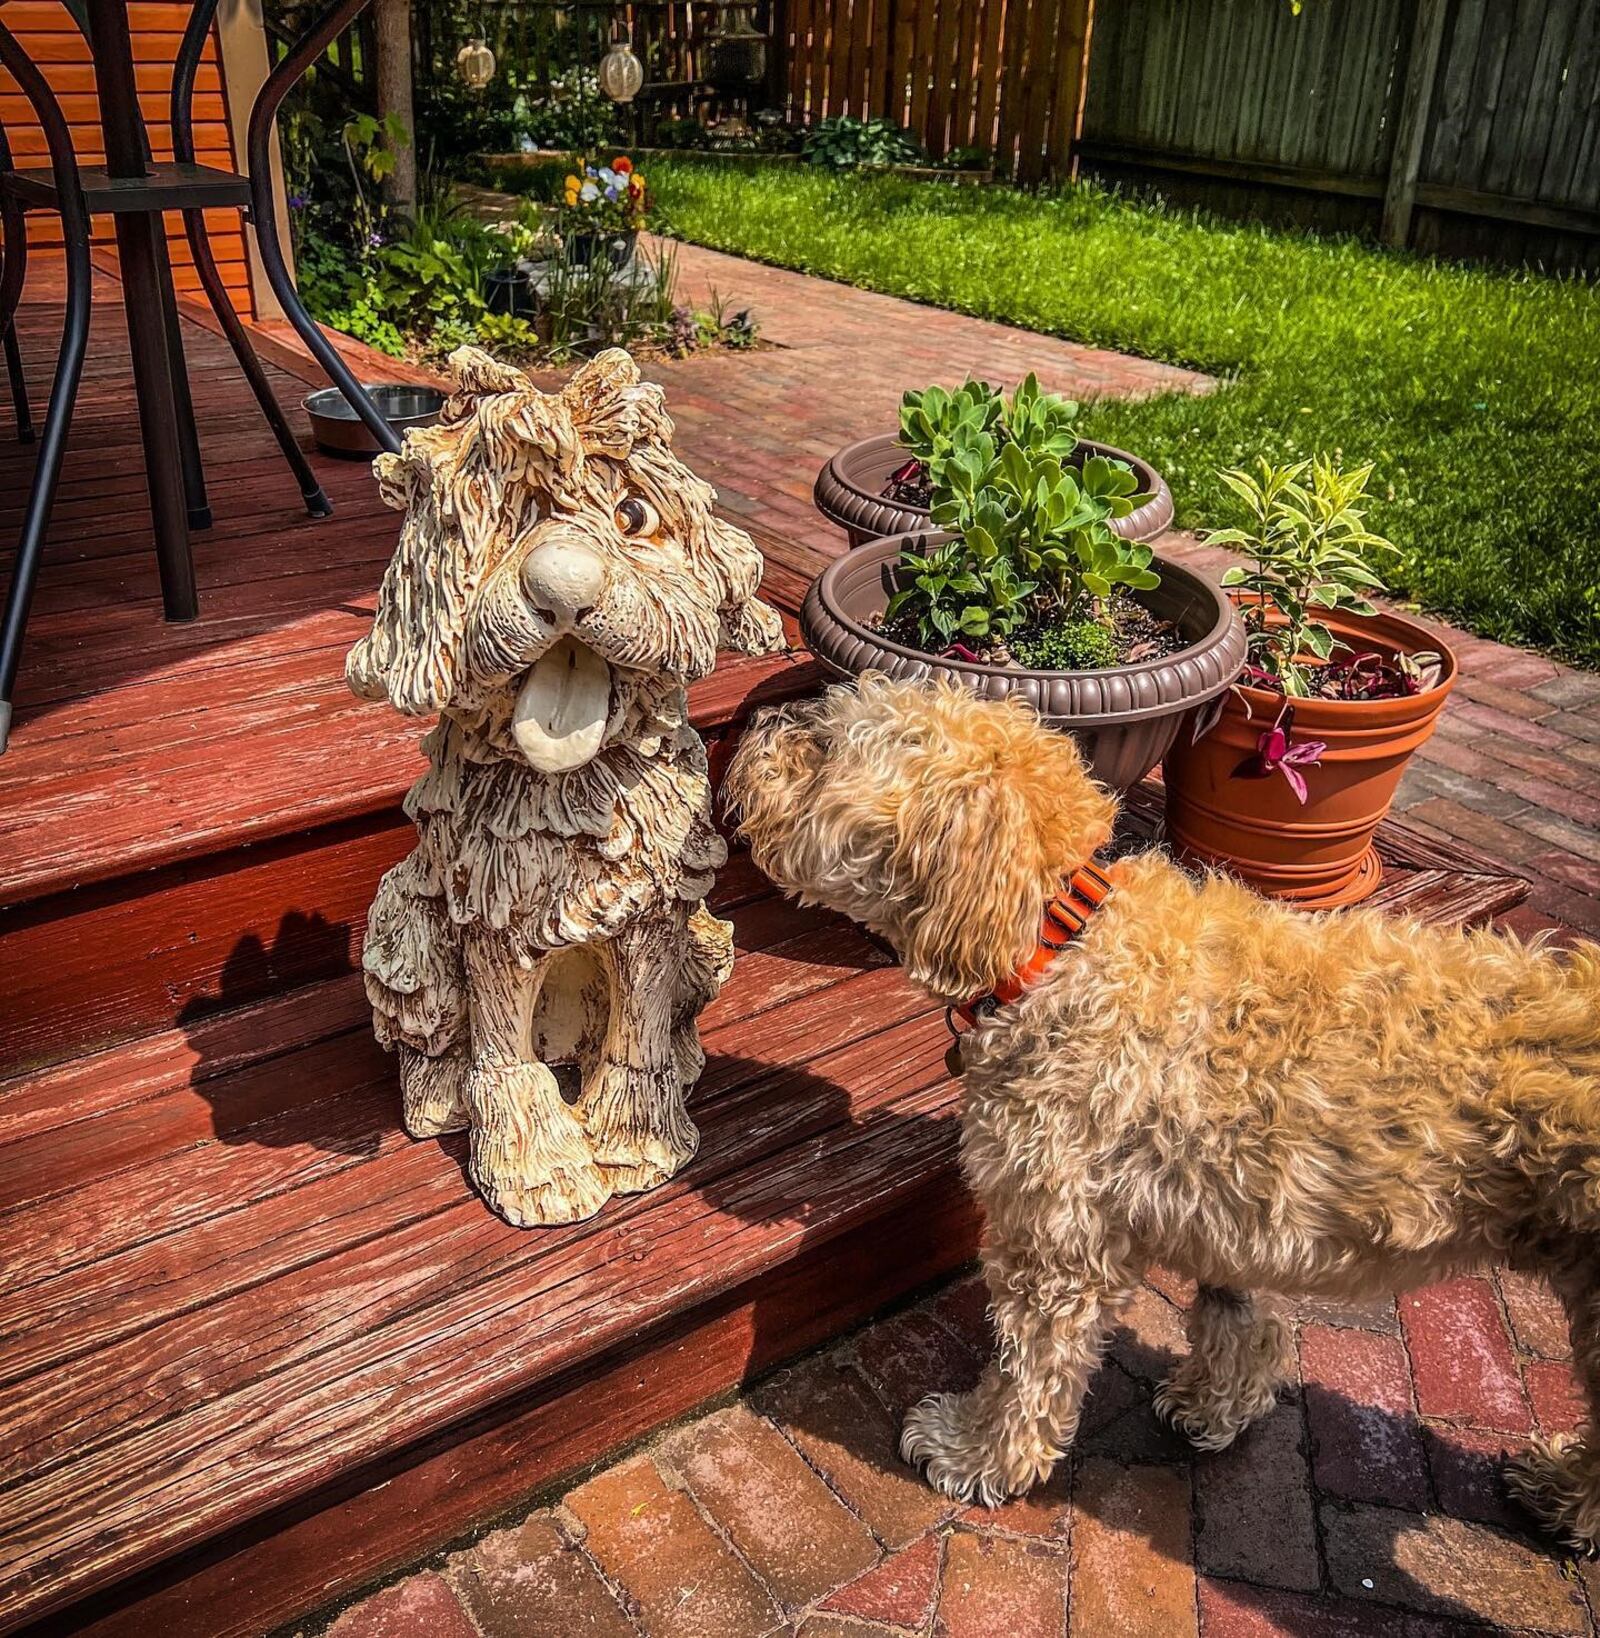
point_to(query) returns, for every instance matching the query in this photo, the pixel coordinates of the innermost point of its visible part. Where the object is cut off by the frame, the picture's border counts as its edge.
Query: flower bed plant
(542, 283)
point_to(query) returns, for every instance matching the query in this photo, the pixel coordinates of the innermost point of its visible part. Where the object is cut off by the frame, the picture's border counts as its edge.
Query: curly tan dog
(1260, 1099)
(560, 580)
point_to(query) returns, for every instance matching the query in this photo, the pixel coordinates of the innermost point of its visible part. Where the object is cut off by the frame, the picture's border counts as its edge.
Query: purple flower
(374, 239)
(1274, 753)
(298, 201)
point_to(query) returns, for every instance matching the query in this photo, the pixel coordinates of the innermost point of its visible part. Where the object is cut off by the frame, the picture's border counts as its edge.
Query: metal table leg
(12, 271)
(153, 364)
(69, 367)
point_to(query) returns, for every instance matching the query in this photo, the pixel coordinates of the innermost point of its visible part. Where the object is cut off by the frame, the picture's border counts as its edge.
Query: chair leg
(69, 368)
(194, 472)
(194, 226)
(317, 503)
(19, 386)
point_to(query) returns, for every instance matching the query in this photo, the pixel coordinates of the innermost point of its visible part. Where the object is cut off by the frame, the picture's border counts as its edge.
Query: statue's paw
(567, 1194)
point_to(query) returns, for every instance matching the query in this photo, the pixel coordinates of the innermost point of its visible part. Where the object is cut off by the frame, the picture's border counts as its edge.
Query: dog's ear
(1000, 809)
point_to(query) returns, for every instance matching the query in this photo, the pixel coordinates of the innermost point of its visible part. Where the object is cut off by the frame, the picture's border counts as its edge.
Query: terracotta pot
(1124, 716)
(849, 492)
(1319, 855)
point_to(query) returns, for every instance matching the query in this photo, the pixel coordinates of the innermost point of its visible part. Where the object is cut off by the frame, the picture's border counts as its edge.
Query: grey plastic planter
(1125, 717)
(849, 492)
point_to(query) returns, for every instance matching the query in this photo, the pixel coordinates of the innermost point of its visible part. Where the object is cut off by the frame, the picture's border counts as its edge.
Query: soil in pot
(1126, 634)
(1232, 802)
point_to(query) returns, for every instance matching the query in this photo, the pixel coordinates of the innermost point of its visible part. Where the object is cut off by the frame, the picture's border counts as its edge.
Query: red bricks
(1461, 1356)
(900, 1591)
(1558, 1400)
(842, 1430)
(1365, 1441)
(1131, 1574)
(1261, 1476)
(1443, 1567)
(423, 1604)
(531, 1579)
(1537, 1317)
(993, 1585)
(785, 1522)
(912, 1355)
(683, 1579)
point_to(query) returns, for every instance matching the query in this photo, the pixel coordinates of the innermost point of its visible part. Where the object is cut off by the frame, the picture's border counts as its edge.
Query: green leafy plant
(844, 143)
(1033, 549)
(1033, 543)
(1310, 552)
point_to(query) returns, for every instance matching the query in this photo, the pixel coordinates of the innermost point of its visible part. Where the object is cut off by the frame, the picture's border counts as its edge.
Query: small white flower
(588, 193)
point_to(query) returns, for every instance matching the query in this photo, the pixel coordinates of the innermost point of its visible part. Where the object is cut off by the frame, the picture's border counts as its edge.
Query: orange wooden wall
(47, 32)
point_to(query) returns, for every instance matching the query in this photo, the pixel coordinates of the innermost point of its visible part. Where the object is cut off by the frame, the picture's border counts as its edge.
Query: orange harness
(1065, 916)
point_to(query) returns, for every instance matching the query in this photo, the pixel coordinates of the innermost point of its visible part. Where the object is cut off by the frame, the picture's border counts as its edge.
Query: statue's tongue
(562, 707)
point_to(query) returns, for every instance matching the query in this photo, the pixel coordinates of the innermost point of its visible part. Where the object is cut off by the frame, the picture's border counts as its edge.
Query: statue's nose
(564, 578)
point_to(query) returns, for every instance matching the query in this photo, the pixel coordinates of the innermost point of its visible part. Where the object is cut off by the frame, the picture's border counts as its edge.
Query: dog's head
(939, 820)
(555, 555)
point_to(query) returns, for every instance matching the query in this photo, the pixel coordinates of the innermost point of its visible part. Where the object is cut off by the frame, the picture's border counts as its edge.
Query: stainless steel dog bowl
(340, 431)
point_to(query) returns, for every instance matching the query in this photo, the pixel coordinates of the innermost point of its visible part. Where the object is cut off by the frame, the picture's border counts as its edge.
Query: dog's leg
(1009, 1432)
(433, 1091)
(530, 1158)
(1238, 1355)
(633, 1107)
(1558, 1479)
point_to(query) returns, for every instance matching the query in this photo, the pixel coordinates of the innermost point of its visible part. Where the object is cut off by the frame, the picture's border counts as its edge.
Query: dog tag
(561, 710)
(952, 1058)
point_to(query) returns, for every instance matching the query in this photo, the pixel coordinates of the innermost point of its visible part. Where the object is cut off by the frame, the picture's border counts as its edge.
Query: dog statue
(1260, 1099)
(560, 580)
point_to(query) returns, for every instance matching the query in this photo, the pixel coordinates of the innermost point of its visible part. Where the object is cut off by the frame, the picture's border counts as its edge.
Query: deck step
(247, 1322)
(166, 853)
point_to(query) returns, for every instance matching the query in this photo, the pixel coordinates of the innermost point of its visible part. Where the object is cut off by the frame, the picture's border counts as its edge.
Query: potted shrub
(880, 486)
(1285, 783)
(603, 208)
(1024, 588)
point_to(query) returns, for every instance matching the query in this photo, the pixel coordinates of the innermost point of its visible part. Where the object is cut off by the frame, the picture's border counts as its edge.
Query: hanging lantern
(738, 50)
(475, 64)
(621, 73)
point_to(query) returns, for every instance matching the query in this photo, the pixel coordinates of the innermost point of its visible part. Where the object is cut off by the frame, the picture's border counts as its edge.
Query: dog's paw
(959, 1461)
(1558, 1481)
(566, 1194)
(1208, 1418)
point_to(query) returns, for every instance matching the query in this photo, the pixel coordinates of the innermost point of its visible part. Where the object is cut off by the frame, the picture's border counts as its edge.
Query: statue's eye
(637, 517)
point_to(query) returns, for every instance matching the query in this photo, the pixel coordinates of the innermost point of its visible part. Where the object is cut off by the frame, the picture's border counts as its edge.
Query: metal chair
(13, 267)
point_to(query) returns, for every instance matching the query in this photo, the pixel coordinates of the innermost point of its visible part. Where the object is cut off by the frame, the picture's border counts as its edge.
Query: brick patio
(1368, 1503)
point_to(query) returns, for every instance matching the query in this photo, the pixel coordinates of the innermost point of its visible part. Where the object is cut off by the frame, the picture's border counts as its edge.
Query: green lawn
(1477, 393)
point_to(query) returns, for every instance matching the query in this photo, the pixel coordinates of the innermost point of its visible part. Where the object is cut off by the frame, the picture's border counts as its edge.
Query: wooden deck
(257, 1346)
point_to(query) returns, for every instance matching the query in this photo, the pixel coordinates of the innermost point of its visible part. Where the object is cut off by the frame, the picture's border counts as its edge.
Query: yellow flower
(572, 196)
(573, 184)
(636, 182)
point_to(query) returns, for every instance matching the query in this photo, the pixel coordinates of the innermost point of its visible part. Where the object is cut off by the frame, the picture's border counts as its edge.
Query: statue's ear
(613, 409)
(412, 653)
(745, 623)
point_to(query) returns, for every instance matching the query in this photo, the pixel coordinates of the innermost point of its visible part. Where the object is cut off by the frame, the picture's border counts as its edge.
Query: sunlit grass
(1476, 392)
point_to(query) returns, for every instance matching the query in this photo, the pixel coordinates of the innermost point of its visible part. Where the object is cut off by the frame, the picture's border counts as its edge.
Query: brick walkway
(1367, 1504)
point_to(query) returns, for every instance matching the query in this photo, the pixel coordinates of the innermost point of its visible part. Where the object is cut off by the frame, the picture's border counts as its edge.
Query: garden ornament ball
(475, 64)
(621, 73)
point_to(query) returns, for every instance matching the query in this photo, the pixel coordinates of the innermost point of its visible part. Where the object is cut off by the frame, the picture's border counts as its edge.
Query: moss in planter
(1078, 645)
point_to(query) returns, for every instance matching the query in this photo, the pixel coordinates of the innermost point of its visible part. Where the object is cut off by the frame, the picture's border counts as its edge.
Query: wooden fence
(1002, 75)
(1459, 126)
